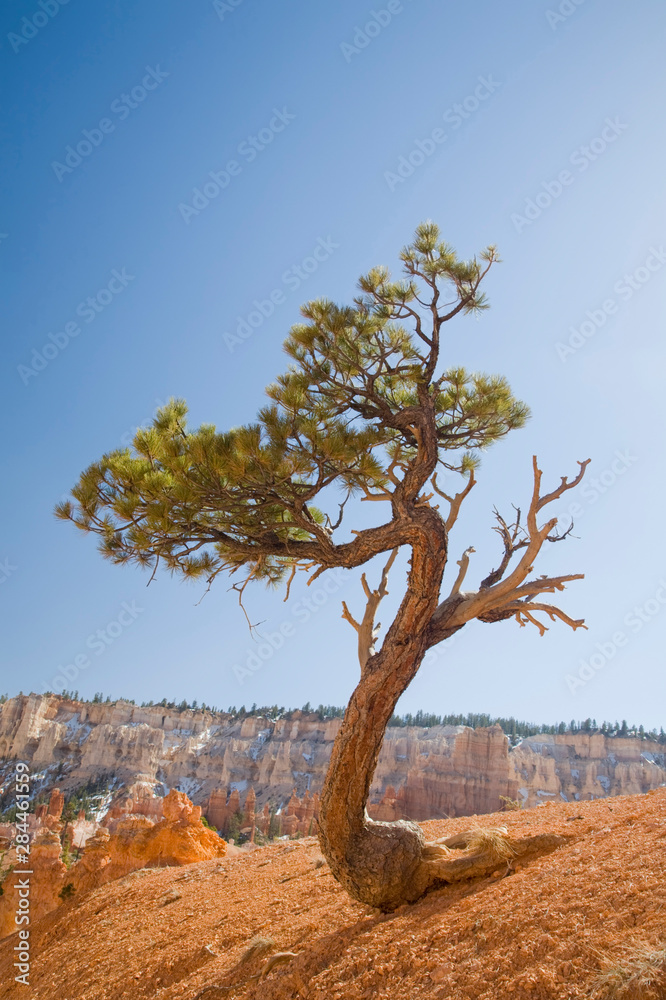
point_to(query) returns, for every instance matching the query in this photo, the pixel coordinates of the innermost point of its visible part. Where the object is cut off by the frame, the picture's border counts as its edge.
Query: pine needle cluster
(344, 415)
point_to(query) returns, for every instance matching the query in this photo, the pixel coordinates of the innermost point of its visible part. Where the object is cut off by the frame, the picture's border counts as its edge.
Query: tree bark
(377, 862)
(388, 864)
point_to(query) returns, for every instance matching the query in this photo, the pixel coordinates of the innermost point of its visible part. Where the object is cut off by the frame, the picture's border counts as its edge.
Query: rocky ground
(552, 929)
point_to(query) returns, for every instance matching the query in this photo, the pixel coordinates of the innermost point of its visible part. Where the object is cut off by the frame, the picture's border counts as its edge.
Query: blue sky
(115, 113)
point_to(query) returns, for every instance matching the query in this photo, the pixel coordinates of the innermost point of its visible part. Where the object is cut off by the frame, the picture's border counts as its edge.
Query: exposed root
(393, 864)
(492, 842)
(280, 958)
(481, 852)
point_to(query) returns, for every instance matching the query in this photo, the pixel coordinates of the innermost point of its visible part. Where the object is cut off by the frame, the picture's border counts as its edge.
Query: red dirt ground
(541, 933)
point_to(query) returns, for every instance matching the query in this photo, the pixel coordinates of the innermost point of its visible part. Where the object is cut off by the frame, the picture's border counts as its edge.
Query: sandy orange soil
(543, 931)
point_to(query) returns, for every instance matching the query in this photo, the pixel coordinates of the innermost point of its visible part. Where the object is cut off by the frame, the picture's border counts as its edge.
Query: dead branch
(375, 496)
(513, 538)
(499, 598)
(564, 484)
(546, 585)
(366, 629)
(463, 562)
(523, 616)
(390, 472)
(239, 588)
(347, 615)
(318, 572)
(333, 527)
(454, 501)
(289, 581)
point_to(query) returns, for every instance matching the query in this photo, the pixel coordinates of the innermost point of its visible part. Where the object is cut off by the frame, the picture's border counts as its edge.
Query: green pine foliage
(202, 501)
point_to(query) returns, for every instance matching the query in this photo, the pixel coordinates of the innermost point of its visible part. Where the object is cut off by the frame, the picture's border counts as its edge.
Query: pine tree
(367, 408)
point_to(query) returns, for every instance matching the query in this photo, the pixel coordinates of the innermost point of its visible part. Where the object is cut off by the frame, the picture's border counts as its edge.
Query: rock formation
(579, 766)
(179, 838)
(300, 815)
(218, 760)
(45, 882)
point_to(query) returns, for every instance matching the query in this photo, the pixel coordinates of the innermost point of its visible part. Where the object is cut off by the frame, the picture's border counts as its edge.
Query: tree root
(483, 851)
(390, 864)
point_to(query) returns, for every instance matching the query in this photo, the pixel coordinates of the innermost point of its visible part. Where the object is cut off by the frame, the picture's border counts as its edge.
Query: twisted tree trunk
(379, 863)
(388, 864)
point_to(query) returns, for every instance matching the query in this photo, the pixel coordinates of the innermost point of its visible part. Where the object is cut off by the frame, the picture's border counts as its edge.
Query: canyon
(219, 760)
(122, 845)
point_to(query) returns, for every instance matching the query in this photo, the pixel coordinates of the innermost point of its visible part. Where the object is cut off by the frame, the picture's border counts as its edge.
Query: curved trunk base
(389, 864)
(380, 864)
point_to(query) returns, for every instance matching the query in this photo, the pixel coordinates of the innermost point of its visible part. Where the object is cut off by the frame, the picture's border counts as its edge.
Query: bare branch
(455, 501)
(463, 562)
(535, 535)
(564, 485)
(499, 598)
(318, 572)
(239, 588)
(291, 577)
(560, 538)
(367, 631)
(374, 496)
(340, 516)
(546, 585)
(347, 615)
(390, 472)
(514, 538)
(523, 616)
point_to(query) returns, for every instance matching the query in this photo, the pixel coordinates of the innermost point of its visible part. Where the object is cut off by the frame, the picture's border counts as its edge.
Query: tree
(366, 407)
(234, 825)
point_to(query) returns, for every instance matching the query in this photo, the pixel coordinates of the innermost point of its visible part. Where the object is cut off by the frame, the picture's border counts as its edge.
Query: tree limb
(367, 632)
(523, 615)
(498, 599)
(463, 562)
(455, 501)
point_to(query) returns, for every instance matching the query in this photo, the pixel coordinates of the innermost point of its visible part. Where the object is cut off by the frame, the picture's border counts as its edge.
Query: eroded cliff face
(137, 842)
(421, 774)
(582, 766)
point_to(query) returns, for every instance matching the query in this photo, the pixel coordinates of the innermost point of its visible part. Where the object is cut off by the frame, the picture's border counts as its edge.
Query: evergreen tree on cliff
(366, 408)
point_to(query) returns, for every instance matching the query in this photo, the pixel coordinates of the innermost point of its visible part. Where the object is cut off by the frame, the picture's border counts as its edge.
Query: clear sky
(123, 287)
